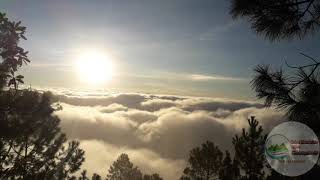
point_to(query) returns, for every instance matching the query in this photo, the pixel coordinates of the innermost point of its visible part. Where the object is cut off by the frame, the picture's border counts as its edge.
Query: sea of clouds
(156, 131)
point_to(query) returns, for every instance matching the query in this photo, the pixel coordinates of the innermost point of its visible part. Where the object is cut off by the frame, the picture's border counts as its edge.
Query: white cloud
(100, 155)
(186, 77)
(156, 131)
(201, 77)
(113, 108)
(157, 104)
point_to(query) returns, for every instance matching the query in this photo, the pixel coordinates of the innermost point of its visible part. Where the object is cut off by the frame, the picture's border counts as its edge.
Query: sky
(182, 47)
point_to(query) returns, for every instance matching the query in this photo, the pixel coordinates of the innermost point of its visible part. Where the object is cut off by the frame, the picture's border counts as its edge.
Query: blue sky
(180, 47)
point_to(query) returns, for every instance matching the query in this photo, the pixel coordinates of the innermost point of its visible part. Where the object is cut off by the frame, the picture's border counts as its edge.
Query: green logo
(276, 151)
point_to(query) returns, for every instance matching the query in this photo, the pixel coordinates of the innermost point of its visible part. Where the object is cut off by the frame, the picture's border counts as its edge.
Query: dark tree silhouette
(96, 176)
(12, 55)
(204, 163)
(83, 175)
(229, 169)
(123, 169)
(249, 150)
(152, 177)
(298, 95)
(31, 143)
(279, 19)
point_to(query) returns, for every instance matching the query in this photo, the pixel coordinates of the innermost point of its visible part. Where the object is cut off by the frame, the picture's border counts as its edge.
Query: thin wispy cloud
(186, 76)
(201, 77)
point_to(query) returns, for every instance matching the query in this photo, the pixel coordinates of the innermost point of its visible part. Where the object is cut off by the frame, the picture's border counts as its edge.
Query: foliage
(298, 95)
(12, 55)
(83, 175)
(152, 177)
(31, 143)
(249, 150)
(229, 169)
(96, 176)
(279, 19)
(123, 169)
(204, 162)
(207, 162)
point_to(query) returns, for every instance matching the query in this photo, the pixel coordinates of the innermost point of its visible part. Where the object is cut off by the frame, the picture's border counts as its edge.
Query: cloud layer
(156, 131)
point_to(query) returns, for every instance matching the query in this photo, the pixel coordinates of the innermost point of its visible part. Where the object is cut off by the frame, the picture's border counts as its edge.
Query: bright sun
(94, 68)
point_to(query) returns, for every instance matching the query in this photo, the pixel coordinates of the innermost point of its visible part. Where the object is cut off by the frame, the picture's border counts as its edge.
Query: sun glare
(94, 68)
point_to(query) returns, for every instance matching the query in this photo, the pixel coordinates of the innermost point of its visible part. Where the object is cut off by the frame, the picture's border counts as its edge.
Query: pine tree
(249, 150)
(279, 19)
(83, 175)
(204, 162)
(298, 95)
(123, 169)
(96, 176)
(229, 169)
(31, 143)
(152, 177)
